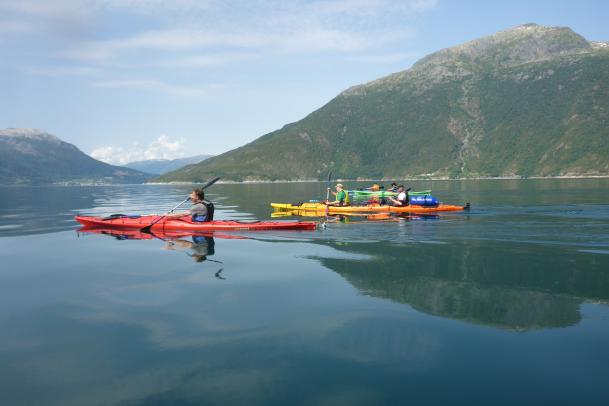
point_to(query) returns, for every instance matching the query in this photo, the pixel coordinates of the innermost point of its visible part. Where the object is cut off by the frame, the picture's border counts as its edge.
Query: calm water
(506, 304)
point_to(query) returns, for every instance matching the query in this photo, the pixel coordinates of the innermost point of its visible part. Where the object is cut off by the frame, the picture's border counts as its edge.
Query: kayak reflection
(360, 217)
(198, 246)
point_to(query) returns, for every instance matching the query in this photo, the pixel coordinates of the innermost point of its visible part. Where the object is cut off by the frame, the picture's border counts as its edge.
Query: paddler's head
(339, 186)
(375, 187)
(197, 195)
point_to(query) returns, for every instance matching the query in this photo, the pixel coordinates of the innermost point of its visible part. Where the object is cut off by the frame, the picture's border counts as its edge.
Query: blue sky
(138, 79)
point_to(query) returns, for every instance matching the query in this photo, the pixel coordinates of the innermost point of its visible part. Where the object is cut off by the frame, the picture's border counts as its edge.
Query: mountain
(29, 156)
(531, 100)
(162, 166)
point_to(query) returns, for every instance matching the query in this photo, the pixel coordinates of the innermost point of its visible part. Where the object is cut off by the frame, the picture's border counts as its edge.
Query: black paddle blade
(329, 176)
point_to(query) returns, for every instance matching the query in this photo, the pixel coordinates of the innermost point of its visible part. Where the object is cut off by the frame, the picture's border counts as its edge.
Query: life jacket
(346, 201)
(406, 200)
(208, 217)
(203, 240)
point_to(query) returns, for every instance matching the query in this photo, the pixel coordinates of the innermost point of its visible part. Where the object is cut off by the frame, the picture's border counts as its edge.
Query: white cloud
(151, 84)
(54, 71)
(14, 27)
(271, 8)
(206, 60)
(384, 58)
(162, 148)
(260, 26)
(57, 17)
(313, 39)
(202, 34)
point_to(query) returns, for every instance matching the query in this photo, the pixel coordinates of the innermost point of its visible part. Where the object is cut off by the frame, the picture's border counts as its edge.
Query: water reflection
(197, 246)
(502, 285)
(362, 312)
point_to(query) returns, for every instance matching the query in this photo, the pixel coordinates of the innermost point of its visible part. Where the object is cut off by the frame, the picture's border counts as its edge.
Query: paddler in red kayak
(201, 210)
(342, 199)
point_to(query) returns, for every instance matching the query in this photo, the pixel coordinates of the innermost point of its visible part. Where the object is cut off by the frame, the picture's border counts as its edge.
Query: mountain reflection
(514, 287)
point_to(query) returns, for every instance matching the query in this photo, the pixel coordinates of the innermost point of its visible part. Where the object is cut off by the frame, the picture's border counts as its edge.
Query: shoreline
(229, 182)
(232, 182)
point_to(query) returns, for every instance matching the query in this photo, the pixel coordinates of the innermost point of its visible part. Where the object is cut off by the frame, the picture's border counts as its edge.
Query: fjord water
(506, 304)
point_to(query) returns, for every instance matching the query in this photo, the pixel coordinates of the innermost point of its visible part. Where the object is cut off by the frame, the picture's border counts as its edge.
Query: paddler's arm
(181, 214)
(394, 201)
(175, 244)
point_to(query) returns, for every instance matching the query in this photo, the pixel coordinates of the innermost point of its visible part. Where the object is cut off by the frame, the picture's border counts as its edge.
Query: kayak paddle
(147, 228)
(328, 194)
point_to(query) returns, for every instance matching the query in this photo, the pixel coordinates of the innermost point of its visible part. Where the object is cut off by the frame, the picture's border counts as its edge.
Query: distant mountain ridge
(162, 166)
(527, 101)
(30, 156)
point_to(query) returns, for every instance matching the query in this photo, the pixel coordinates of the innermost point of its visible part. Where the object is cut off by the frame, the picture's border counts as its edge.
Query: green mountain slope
(30, 156)
(527, 101)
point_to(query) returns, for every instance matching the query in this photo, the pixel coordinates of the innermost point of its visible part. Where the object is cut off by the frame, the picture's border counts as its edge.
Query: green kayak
(384, 193)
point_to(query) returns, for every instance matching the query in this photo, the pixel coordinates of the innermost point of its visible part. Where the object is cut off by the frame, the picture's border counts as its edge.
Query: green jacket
(341, 196)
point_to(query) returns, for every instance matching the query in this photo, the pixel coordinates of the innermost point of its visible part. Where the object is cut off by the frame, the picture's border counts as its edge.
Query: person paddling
(201, 210)
(373, 198)
(341, 196)
(402, 199)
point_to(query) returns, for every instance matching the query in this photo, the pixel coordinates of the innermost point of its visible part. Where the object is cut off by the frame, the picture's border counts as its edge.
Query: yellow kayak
(373, 208)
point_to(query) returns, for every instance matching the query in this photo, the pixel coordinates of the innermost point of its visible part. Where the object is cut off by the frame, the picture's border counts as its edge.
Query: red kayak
(186, 224)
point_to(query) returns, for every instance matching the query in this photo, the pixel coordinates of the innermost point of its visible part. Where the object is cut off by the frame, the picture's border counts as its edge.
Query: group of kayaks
(421, 202)
(371, 208)
(162, 224)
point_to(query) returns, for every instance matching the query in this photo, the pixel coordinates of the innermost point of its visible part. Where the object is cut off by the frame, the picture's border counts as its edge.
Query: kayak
(385, 193)
(374, 208)
(370, 193)
(185, 223)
